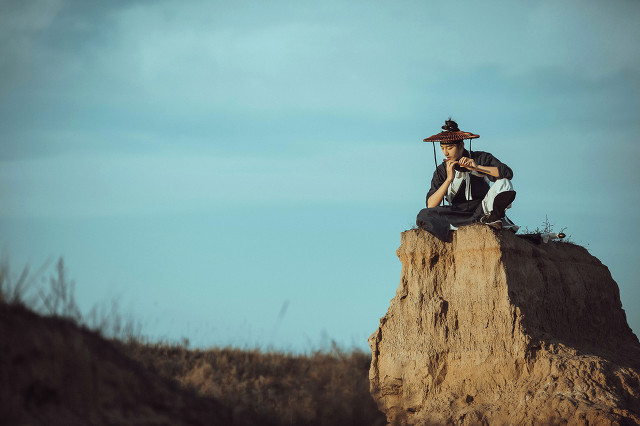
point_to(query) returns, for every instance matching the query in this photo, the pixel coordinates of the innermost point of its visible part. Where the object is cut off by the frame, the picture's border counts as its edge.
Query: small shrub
(545, 228)
(59, 299)
(16, 290)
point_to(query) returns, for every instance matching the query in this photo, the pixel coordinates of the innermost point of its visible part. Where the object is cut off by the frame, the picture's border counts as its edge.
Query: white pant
(501, 185)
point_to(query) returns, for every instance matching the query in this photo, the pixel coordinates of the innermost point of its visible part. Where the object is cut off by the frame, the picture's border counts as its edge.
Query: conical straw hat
(451, 133)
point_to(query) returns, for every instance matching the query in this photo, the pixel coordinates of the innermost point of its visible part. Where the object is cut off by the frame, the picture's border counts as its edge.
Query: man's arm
(470, 164)
(487, 164)
(436, 197)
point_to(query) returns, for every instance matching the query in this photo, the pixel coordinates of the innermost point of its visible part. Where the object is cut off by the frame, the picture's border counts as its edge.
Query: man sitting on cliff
(463, 180)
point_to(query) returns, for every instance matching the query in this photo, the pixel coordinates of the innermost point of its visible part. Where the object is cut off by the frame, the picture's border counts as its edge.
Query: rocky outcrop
(494, 329)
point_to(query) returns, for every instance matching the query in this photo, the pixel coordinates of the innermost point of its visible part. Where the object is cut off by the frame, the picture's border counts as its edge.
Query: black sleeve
(486, 159)
(436, 181)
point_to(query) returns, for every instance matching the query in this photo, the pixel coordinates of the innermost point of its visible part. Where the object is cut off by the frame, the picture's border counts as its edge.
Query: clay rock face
(493, 329)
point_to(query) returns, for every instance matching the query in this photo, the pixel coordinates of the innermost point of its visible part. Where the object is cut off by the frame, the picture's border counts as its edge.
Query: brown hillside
(55, 373)
(494, 329)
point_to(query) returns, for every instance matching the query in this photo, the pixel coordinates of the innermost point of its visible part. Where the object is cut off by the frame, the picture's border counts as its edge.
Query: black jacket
(479, 187)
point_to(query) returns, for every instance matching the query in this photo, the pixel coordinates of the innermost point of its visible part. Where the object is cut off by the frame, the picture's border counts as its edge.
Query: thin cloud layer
(348, 59)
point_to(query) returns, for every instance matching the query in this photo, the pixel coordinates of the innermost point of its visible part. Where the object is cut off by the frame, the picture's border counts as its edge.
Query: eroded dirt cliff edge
(491, 328)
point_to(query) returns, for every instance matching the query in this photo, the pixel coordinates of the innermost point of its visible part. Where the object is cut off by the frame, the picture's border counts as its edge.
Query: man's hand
(467, 163)
(450, 172)
(437, 196)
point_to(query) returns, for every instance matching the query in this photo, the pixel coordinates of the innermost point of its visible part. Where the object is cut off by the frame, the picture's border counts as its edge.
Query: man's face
(452, 151)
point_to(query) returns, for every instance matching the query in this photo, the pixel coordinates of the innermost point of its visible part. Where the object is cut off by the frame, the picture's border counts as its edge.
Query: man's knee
(501, 185)
(425, 213)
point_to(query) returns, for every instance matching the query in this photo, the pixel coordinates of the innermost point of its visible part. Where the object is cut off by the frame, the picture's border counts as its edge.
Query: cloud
(251, 75)
(587, 39)
(24, 17)
(341, 58)
(21, 24)
(76, 186)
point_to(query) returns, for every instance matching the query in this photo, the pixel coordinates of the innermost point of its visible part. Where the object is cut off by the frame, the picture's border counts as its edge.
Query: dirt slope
(493, 329)
(54, 373)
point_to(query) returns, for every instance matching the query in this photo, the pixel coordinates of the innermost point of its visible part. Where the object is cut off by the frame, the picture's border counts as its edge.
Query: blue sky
(240, 172)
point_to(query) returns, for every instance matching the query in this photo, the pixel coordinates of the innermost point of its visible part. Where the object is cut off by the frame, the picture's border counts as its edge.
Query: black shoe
(502, 201)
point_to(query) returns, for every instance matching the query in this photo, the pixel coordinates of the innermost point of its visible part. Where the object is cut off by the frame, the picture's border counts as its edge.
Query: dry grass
(54, 296)
(272, 388)
(259, 388)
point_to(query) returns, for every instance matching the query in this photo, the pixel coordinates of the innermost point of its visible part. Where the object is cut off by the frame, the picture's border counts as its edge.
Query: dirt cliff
(494, 329)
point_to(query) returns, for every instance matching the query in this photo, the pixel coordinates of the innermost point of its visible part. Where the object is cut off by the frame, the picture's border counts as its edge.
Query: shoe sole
(495, 225)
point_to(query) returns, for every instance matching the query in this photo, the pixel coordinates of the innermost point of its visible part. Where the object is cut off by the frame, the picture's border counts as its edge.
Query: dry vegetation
(258, 388)
(271, 388)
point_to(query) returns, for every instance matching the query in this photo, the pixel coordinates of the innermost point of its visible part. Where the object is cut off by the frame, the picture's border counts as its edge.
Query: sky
(239, 173)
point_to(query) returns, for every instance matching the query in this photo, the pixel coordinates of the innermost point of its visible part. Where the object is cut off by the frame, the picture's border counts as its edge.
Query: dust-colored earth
(494, 329)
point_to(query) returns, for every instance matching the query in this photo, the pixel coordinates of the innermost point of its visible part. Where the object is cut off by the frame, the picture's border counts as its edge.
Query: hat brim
(445, 137)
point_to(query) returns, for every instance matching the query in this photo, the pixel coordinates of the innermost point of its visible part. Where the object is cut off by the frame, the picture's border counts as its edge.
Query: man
(463, 179)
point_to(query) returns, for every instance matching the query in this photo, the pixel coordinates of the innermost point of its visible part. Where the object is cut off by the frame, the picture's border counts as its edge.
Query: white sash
(457, 181)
